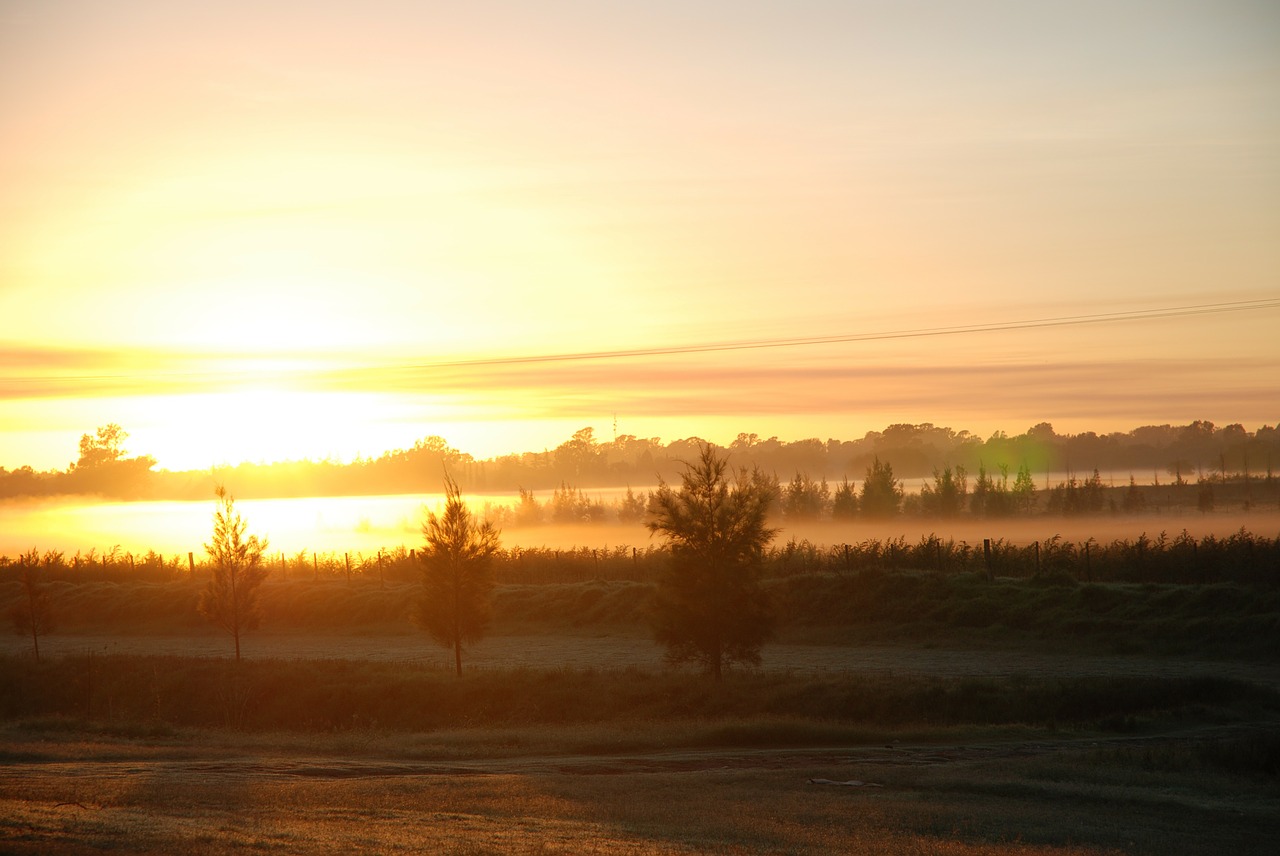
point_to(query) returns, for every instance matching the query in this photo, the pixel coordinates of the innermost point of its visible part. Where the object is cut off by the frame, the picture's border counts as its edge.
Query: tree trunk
(33, 613)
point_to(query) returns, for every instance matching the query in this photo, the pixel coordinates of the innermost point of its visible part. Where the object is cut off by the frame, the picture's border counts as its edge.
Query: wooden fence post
(347, 556)
(986, 557)
(191, 564)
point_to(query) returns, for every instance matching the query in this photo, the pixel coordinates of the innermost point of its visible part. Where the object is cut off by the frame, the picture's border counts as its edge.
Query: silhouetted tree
(106, 447)
(710, 608)
(844, 505)
(805, 499)
(632, 507)
(570, 505)
(946, 496)
(102, 466)
(528, 509)
(1134, 499)
(230, 600)
(457, 575)
(881, 492)
(1204, 495)
(33, 613)
(1024, 490)
(1074, 497)
(991, 497)
(579, 456)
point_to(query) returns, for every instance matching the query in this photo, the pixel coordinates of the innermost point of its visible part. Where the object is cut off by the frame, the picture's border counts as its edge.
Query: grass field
(946, 610)
(999, 718)
(536, 791)
(198, 755)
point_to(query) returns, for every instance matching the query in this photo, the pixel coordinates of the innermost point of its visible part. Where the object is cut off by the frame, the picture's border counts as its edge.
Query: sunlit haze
(281, 230)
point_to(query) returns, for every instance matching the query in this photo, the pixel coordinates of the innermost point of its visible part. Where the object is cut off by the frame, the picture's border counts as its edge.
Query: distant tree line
(999, 468)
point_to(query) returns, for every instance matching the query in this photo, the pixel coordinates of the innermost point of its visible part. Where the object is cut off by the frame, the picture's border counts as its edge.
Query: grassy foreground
(869, 607)
(154, 754)
(200, 756)
(674, 788)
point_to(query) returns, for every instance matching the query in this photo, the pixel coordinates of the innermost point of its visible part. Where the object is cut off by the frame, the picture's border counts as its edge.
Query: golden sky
(254, 230)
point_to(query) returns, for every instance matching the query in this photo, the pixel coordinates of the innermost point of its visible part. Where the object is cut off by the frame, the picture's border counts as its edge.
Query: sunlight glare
(267, 423)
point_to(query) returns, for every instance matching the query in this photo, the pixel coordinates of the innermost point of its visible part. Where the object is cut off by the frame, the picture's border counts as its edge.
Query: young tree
(805, 499)
(457, 575)
(33, 613)
(632, 507)
(528, 510)
(947, 495)
(881, 492)
(1024, 490)
(1134, 499)
(710, 608)
(844, 505)
(231, 598)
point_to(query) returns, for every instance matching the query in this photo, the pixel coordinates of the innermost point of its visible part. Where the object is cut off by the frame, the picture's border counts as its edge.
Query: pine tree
(457, 575)
(33, 613)
(881, 492)
(844, 505)
(710, 608)
(231, 598)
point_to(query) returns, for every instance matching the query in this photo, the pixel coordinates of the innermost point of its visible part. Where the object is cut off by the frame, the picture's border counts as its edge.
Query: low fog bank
(365, 526)
(971, 530)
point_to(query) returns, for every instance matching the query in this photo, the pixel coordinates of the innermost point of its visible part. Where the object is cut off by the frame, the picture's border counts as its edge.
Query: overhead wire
(701, 348)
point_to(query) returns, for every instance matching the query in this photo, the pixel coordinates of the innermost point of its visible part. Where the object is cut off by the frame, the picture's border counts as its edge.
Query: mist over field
(370, 524)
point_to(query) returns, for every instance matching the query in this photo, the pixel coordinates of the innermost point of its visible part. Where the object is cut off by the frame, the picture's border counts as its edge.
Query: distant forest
(1152, 454)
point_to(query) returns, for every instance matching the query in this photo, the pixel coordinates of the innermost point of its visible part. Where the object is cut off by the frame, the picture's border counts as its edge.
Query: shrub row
(1242, 557)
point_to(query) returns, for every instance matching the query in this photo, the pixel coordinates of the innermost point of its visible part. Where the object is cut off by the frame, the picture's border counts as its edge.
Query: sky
(267, 230)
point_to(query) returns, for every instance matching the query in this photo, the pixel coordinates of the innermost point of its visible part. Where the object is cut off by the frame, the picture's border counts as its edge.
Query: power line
(757, 344)
(705, 348)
